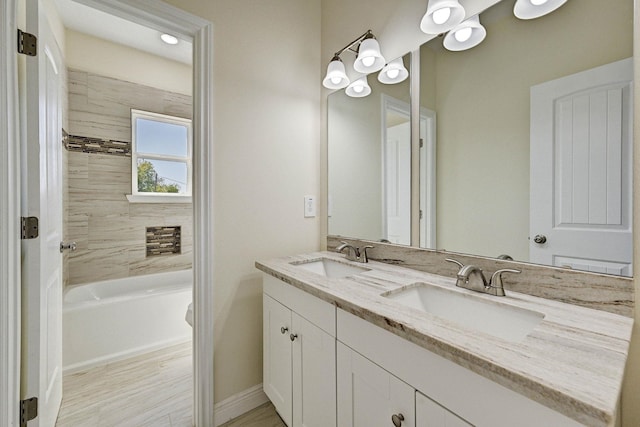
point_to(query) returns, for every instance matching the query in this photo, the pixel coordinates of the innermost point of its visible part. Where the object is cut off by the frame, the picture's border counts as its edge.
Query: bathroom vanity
(358, 345)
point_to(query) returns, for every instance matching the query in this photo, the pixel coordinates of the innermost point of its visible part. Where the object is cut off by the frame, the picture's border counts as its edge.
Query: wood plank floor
(263, 416)
(154, 389)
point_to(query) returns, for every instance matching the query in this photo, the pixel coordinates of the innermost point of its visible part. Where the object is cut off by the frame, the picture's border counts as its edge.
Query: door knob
(540, 239)
(71, 246)
(397, 419)
(293, 337)
(283, 330)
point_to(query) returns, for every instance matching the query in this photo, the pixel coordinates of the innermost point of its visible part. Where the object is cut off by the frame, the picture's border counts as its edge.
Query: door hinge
(27, 43)
(29, 229)
(421, 142)
(421, 214)
(28, 410)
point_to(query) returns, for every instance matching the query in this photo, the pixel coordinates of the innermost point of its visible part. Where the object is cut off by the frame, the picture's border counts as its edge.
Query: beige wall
(267, 110)
(482, 103)
(110, 231)
(88, 53)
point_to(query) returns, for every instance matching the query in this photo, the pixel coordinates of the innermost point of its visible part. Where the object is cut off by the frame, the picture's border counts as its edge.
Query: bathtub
(115, 319)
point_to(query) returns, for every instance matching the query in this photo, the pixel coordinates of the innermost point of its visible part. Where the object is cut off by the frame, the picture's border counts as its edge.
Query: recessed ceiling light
(169, 39)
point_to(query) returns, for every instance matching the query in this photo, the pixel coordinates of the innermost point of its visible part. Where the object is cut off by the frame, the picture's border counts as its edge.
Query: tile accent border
(85, 144)
(164, 240)
(592, 290)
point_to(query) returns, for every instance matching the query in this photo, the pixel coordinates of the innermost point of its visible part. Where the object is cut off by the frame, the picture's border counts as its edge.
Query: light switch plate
(309, 206)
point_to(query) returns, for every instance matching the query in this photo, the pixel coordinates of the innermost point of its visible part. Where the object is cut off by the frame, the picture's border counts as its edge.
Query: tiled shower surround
(111, 233)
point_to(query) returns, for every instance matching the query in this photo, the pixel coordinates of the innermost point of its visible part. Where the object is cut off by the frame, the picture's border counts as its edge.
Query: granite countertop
(572, 362)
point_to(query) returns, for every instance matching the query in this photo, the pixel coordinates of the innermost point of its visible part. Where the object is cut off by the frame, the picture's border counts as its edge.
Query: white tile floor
(154, 389)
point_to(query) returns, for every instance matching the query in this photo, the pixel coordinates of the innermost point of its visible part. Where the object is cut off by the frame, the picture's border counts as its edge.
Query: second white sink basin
(330, 268)
(493, 318)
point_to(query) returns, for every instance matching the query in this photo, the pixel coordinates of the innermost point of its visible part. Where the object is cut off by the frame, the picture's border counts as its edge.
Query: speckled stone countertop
(572, 362)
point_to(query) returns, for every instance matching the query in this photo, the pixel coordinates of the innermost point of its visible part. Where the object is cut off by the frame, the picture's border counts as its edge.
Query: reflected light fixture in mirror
(336, 75)
(359, 88)
(169, 39)
(441, 16)
(466, 35)
(531, 9)
(393, 72)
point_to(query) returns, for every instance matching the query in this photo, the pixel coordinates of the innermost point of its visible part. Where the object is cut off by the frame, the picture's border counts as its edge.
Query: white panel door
(430, 414)
(581, 159)
(369, 396)
(277, 356)
(42, 197)
(314, 380)
(397, 163)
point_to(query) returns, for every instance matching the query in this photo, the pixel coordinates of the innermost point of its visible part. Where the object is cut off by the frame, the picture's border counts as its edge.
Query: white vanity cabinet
(430, 414)
(370, 396)
(299, 360)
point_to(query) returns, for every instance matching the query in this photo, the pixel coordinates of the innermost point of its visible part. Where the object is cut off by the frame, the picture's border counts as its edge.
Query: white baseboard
(115, 357)
(239, 404)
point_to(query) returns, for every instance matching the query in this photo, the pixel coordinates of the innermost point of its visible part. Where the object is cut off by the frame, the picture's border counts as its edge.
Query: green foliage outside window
(150, 182)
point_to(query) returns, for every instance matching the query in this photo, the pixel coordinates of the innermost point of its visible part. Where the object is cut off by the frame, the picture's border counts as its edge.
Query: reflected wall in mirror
(370, 162)
(571, 183)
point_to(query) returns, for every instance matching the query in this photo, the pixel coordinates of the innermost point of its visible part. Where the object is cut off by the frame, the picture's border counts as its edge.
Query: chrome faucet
(471, 277)
(354, 253)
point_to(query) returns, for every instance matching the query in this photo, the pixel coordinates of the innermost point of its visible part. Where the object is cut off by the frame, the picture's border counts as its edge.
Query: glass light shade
(393, 72)
(336, 77)
(466, 35)
(531, 9)
(369, 57)
(441, 16)
(359, 88)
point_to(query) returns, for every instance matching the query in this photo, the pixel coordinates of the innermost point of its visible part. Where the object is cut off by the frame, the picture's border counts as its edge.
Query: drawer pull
(397, 419)
(283, 330)
(293, 337)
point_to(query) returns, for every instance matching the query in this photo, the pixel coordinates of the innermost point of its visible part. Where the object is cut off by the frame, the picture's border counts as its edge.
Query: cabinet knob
(283, 330)
(293, 337)
(397, 419)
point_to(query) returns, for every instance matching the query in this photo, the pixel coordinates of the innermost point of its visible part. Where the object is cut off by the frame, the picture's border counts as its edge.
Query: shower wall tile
(111, 232)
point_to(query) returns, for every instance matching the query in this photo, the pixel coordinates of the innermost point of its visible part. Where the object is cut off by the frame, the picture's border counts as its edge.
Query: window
(161, 157)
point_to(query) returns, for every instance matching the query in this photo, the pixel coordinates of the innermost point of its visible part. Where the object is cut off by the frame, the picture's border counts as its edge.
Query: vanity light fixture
(368, 60)
(169, 39)
(466, 35)
(336, 75)
(441, 16)
(359, 88)
(531, 9)
(393, 72)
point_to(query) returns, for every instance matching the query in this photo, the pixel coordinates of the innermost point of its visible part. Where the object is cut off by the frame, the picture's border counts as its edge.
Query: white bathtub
(115, 319)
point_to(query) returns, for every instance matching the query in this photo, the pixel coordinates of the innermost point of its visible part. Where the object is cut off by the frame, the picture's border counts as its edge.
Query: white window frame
(150, 197)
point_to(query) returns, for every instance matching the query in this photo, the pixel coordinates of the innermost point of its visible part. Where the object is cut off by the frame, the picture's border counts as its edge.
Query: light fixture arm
(367, 35)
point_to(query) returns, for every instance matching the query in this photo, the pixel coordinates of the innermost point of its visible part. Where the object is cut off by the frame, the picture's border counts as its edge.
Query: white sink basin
(330, 268)
(493, 318)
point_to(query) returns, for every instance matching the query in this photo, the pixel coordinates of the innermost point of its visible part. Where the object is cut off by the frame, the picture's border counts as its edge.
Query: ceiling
(84, 19)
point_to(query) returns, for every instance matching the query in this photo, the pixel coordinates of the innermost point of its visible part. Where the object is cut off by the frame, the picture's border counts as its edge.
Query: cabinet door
(276, 329)
(368, 396)
(314, 375)
(430, 414)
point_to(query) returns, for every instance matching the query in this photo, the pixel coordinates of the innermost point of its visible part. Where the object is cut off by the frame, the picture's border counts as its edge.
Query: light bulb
(441, 15)
(368, 61)
(463, 34)
(169, 39)
(538, 2)
(335, 80)
(358, 88)
(393, 73)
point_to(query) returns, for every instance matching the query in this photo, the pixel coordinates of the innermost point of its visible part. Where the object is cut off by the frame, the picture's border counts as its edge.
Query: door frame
(166, 18)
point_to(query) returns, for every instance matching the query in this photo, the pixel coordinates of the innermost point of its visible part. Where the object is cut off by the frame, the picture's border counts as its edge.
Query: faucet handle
(363, 253)
(496, 278)
(455, 261)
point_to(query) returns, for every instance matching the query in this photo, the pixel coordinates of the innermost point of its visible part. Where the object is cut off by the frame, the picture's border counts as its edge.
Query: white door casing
(42, 174)
(427, 178)
(581, 170)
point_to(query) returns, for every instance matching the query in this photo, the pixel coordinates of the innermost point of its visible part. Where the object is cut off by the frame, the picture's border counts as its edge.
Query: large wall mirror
(526, 143)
